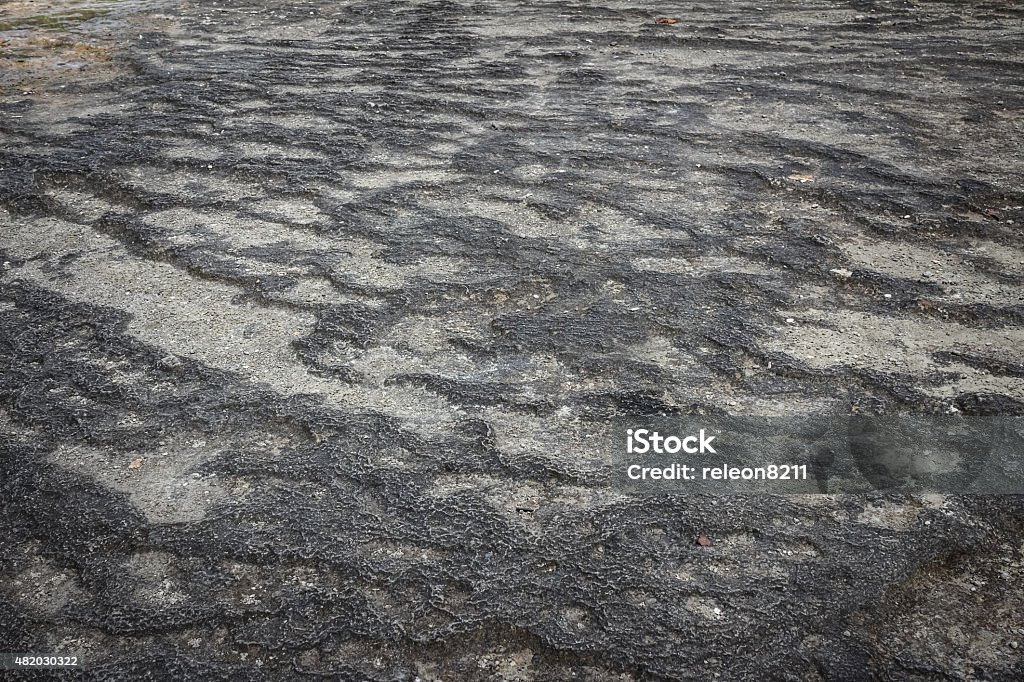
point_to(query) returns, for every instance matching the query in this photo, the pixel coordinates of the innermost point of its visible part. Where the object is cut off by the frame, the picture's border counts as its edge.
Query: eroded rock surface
(299, 300)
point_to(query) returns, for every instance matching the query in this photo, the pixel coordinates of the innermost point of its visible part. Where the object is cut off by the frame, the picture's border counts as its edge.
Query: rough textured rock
(298, 300)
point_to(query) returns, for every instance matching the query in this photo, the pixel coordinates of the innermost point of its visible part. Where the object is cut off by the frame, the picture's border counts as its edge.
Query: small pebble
(169, 362)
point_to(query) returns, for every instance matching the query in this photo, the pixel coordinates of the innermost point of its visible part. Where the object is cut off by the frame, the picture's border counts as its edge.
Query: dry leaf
(796, 177)
(703, 540)
(135, 463)
(666, 20)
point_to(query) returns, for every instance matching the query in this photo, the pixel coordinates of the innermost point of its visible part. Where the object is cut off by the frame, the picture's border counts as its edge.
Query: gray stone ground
(298, 299)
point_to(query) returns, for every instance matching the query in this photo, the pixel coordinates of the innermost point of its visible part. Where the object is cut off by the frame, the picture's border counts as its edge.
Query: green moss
(53, 22)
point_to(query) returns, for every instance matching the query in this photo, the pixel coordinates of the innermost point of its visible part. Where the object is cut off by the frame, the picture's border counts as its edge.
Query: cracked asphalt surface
(304, 307)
